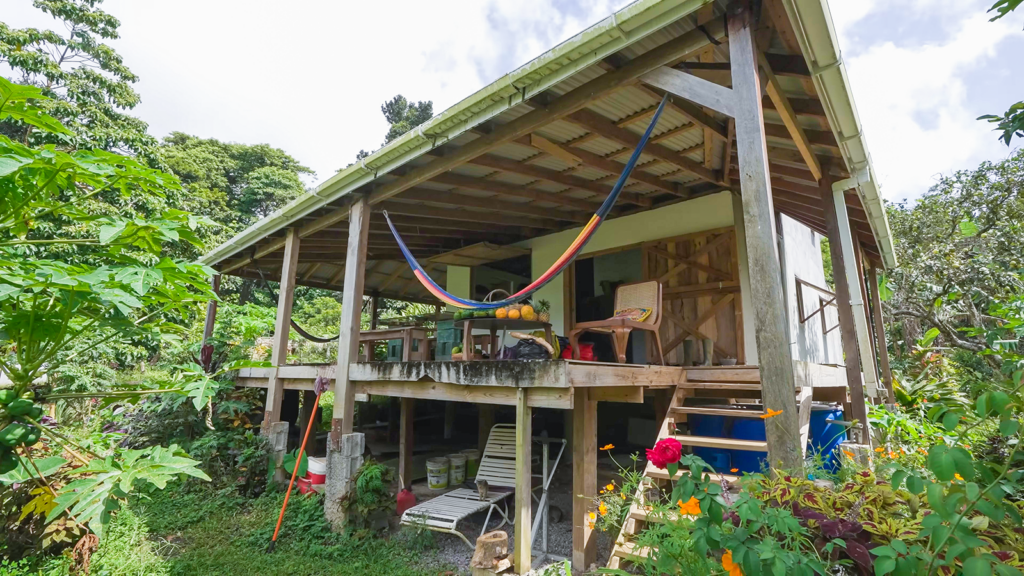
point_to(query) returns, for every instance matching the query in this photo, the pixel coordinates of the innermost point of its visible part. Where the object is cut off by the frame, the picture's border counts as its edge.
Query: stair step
(721, 385)
(658, 473)
(737, 413)
(726, 443)
(630, 550)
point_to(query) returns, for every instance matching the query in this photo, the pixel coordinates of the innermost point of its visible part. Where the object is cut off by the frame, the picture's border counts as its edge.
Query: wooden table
(494, 325)
(406, 335)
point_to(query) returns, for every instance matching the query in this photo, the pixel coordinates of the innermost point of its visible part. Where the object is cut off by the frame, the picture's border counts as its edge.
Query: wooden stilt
(883, 349)
(282, 325)
(773, 350)
(521, 556)
(211, 311)
(485, 421)
(584, 478)
(351, 311)
(405, 445)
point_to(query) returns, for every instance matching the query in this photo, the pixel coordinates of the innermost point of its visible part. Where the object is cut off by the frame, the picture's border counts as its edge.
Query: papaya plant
(75, 274)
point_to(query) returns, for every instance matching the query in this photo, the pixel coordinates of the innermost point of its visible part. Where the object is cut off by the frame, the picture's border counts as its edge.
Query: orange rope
(295, 470)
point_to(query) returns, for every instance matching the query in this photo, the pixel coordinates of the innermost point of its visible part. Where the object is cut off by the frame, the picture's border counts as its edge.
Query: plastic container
(472, 461)
(404, 500)
(714, 427)
(437, 473)
(316, 470)
(304, 486)
(749, 461)
(825, 437)
(456, 469)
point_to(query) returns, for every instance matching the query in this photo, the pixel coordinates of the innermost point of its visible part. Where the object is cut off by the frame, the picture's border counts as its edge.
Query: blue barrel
(748, 429)
(825, 437)
(714, 427)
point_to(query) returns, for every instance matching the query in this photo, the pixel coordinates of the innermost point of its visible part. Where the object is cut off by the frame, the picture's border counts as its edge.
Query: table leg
(467, 340)
(494, 343)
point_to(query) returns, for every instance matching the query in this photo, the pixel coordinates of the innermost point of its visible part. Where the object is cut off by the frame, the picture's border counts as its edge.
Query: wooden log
(774, 353)
(282, 326)
(522, 557)
(351, 311)
(883, 348)
(211, 311)
(584, 478)
(490, 553)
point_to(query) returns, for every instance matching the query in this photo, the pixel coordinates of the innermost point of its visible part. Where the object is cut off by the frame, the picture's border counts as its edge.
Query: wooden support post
(883, 348)
(351, 311)
(282, 326)
(306, 413)
(345, 449)
(584, 478)
(521, 556)
(211, 311)
(405, 444)
(485, 421)
(847, 325)
(374, 312)
(773, 350)
(449, 419)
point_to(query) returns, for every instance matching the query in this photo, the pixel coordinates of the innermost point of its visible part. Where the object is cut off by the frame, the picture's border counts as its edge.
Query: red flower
(666, 451)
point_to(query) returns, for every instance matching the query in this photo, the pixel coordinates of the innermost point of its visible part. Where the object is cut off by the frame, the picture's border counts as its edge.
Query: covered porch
(757, 157)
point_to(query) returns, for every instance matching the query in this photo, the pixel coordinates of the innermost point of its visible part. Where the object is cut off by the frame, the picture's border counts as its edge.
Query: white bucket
(437, 473)
(317, 465)
(456, 469)
(472, 461)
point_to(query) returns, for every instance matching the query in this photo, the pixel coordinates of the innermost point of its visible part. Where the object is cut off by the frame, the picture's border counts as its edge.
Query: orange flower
(734, 470)
(607, 447)
(902, 451)
(849, 454)
(771, 414)
(690, 508)
(731, 567)
(602, 508)
(967, 446)
(892, 454)
(879, 449)
(590, 525)
(610, 487)
(922, 450)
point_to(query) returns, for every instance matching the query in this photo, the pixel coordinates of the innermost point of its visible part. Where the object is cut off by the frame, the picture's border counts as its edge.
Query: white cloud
(309, 76)
(912, 98)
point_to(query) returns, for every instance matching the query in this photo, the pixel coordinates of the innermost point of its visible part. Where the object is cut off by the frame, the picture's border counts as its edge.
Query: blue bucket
(714, 427)
(825, 437)
(748, 429)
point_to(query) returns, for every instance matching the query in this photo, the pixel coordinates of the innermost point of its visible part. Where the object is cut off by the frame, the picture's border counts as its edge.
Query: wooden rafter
(785, 110)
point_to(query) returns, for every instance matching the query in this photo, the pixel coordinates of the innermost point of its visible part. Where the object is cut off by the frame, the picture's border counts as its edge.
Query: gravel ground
(452, 551)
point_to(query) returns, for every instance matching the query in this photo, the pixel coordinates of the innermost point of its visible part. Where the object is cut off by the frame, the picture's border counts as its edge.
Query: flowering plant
(666, 454)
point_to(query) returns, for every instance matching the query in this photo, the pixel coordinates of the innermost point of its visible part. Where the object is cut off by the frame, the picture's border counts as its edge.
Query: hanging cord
(302, 332)
(319, 387)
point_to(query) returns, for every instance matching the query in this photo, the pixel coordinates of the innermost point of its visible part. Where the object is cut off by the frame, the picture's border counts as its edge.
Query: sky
(309, 76)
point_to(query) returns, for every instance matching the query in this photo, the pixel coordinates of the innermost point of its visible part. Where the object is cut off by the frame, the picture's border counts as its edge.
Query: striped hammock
(567, 257)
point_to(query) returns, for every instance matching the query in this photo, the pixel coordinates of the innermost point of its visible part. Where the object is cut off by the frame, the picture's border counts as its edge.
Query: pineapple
(543, 311)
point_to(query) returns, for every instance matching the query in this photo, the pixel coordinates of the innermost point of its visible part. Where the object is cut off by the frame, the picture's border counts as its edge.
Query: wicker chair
(634, 295)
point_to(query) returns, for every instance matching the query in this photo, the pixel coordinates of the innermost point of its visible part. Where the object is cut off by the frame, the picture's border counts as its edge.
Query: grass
(201, 532)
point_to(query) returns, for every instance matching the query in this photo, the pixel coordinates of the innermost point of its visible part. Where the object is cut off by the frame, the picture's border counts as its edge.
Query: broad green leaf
(963, 463)
(1008, 427)
(915, 485)
(929, 337)
(25, 472)
(884, 565)
(941, 463)
(977, 566)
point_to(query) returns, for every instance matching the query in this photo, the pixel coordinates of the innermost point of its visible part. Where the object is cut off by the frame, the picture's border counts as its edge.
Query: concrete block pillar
(344, 457)
(277, 435)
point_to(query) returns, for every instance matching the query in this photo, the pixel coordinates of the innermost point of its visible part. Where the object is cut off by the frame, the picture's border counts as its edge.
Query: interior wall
(458, 282)
(705, 213)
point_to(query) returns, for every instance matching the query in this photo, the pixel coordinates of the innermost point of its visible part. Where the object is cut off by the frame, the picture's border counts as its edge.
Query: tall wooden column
(882, 347)
(282, 327)
(485, 421)
(405, 443)
(211, 311)
(766, 294)
(521, 556)
(351, 313)
(584, 477)
(847, 323)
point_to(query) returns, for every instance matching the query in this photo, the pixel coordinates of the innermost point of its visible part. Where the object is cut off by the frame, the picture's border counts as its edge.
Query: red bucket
(304, 485)
(586, 352)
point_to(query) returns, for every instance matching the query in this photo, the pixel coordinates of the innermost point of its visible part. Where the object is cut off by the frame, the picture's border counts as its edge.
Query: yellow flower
(771, 414)
(610, 487)
(592, 516)
(731, 567)
(607, 447)
(690, 507)
(603, 509)
(623, 495)
(958, 477)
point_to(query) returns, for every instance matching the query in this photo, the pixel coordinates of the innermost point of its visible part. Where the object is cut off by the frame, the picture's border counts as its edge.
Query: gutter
(628, 25)
(812, 23)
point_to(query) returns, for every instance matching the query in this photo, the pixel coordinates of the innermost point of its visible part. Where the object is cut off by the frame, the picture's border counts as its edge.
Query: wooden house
(757, 158)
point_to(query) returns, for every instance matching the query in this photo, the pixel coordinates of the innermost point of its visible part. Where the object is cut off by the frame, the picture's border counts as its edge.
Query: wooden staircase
(726, 385)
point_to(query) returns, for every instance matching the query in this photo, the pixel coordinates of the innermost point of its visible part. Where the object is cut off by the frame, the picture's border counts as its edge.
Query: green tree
(403, 116)
(88, 86)
(233, 184)
(959, 250)
(1010, 123)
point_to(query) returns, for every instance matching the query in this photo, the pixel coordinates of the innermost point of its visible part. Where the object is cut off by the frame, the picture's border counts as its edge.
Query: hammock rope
(567, 257)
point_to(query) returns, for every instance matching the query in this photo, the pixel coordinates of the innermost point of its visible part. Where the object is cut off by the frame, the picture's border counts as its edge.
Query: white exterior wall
(803, 260)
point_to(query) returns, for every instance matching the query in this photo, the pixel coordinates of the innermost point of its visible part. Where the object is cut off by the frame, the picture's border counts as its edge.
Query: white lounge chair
(497, 467)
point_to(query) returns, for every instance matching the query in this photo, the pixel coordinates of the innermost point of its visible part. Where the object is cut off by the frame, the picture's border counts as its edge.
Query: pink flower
(666, 451)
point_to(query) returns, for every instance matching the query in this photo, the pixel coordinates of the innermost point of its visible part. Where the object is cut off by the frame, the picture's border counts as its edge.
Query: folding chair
(636, 295)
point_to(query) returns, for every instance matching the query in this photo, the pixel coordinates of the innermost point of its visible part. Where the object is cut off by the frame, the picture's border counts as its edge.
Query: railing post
(275, 430)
